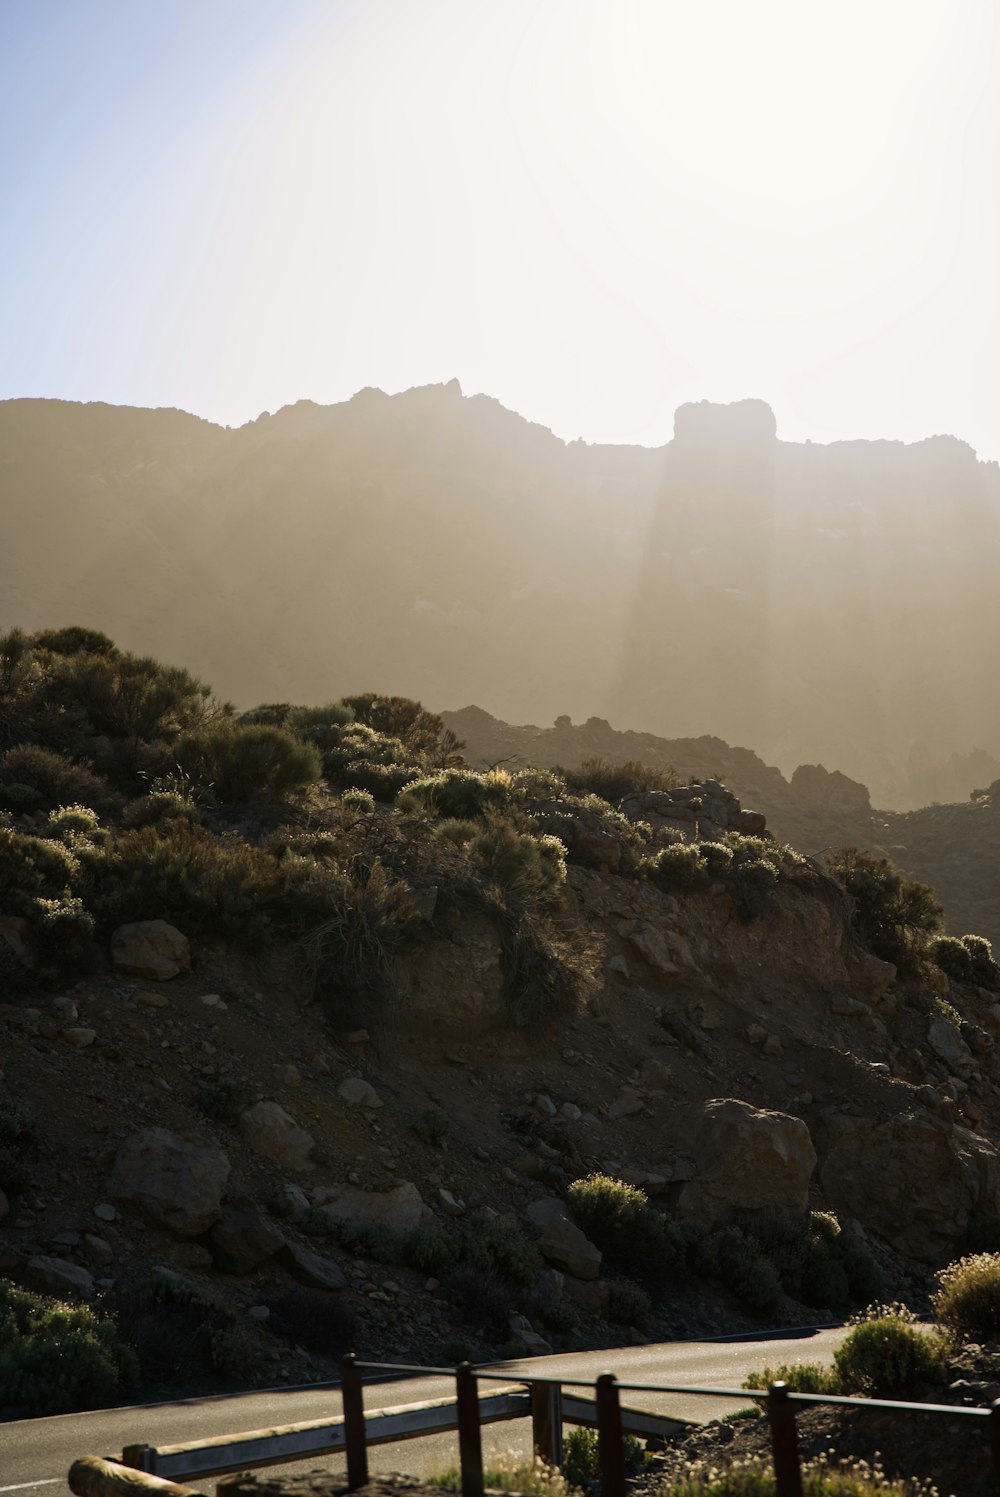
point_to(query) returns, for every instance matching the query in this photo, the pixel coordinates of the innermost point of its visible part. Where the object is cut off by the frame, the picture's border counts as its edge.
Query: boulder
(747, 1159)
(564, 1245)
(950, 1048)
(311, 1268)
(151, 949)
(173, 1184)
(356, 1092)
(243, 1238)
(912, 1179)
(401, 1209)
(59, 1277)
(269, 1129)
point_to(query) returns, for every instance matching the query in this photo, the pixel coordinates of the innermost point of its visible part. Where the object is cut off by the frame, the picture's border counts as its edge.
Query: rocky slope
(197, 1117)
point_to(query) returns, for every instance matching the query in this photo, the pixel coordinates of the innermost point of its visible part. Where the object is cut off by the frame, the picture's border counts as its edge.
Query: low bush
(532, 869)
(54, 778)
(581, 1456)
(628, 1303)
(885, 1354)
(953, 957)
(821, 1477)
(617, 782)
(242, 760)
(967, 1303)
(801, 1377)
(635, 1238)
(985, 971)
(893, 915)
(534, 1478)
(460, 794)
(56, 1358)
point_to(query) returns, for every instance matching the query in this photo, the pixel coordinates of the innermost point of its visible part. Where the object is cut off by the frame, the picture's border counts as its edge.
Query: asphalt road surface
(35, 1454)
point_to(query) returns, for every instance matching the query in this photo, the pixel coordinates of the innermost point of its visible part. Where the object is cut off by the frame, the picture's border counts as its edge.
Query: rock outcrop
(173, 1184)
(747, 1158)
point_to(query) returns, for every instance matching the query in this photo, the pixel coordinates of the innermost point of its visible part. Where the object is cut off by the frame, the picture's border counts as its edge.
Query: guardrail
(149, 1469)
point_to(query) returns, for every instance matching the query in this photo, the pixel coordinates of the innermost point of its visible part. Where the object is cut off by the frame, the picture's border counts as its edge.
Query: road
(35, 1454)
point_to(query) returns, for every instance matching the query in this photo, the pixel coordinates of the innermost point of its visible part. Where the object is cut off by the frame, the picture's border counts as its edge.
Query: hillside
(316, 1037)
(954, 848)
(829, 604)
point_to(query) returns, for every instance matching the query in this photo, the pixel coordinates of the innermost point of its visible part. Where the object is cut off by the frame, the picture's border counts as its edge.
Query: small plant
(53, 777)
(801, 1377)
(953, 957)
(455, 793)
(241, 760)
(620, 1221)
(821, 1477)
(968, 1301)
(628, 1303)
(581, 1456)
(985, 971)
(885, 1353)
(512, 1474)
(431, 1125)
(362, 802)
(893, 915)
(617, 782)
(225, 1098)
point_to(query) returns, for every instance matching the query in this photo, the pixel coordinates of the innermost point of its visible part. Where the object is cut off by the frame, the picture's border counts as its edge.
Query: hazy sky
(591, 209)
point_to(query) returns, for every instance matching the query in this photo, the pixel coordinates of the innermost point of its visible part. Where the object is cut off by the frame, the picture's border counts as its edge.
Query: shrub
(894, 916)
(581, 1456)
(34, 866)
(732, 1257)
(456, 793)
(56, 1358)
(885, 1354)
(128, 697)
(616, 782)
(985, 971)
(821, 1477)
(64, 932)
(177, 870)
(534, 1478)
(953, 957)
(630, 1233)
(431, 1125)
(74, 640)
(495, 1247)
(369, 918)
(55, 779)
(430, 1251)
(532, 869)
(456, 832)
(801, 1377)
(420, 731)
(361, 801)
(968, 1301)
(225, 1098)
(162, 805)
(239, 761)
(17, 1122)
(628, 1304)
(680, 867)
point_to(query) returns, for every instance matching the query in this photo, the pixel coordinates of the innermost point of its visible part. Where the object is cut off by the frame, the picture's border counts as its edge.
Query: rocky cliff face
(826, 604)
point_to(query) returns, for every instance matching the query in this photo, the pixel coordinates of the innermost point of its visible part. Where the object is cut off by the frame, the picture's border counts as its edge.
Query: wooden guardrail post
(470, 1435)
(784, 1441)
(546, 1421)
(91, 1476)
(355, 1443)
(610, 1440)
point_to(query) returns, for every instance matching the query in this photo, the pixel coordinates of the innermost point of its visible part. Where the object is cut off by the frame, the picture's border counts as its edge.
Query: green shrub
(456, 832)
(368, 919)
(459, 794)
(128, 697)
(75, 639)
(431, 1125)
(238, 761)
(628, 1303)
(680, 867)
(421, 732)
(17, 1122)
(54, 778)
(894, 916)
(430, 1251)
(985, 971)
(616, 782)
(581, 1456)
(885, 1354)
(533, 869)
(493, 1246)
(162, 805)
(953, 957)
(731, 1257)
(177, 870)
(63, 931)
(968, 1302)
(56, 1358)
(534, 1478)
(225, 1098)
(360, 801)
(801, 1377)
(618, 1219)
(32, 866)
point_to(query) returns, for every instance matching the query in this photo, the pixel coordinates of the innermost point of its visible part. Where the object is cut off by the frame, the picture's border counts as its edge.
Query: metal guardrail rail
(147, 1470)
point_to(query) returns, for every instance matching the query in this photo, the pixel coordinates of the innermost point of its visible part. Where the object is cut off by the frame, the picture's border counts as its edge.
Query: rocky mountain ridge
(830, 604)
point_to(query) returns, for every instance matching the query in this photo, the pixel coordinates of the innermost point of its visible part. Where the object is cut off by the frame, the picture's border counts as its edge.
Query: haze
(591, 211)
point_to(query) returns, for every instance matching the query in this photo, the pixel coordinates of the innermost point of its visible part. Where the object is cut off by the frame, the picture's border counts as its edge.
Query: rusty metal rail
(543, 1399)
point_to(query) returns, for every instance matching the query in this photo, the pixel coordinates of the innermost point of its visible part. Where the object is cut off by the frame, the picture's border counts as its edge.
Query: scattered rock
(269, 1129)
(192, 1255)
(288, 1075)
(401, 1208)
(449, 1204)
(105, 1212)
(949, 1047)
(59, 1277)
(98, 1249)
(561, 1242)
(357, 1092)
(65, 1009)
(311, 1268)
(79, 1038)
(151, 949)
(291, 1202)
(625, 1107)
(243, 1238)
(173, 1184)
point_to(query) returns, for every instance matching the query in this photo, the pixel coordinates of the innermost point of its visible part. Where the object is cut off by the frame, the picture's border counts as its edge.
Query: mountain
(824, 603)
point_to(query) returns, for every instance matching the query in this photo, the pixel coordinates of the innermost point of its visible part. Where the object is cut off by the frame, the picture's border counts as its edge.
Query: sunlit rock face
(743, 423)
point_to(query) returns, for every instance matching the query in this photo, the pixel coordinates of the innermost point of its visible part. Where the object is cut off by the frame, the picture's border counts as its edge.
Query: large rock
(561, 1241)
(311, 1268)
(912, 1179)
(950, 1048)
(173, 1184)
(59, 1277)
(243, 1238)
(151, 949)
(747, 1159)
(271, 1131)
(401, 1208)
